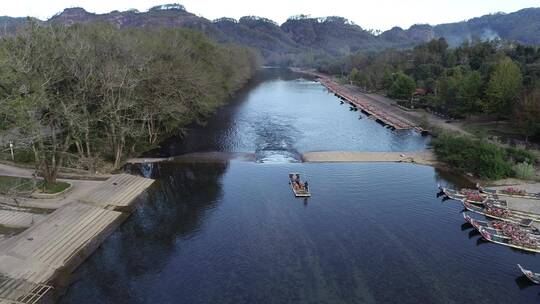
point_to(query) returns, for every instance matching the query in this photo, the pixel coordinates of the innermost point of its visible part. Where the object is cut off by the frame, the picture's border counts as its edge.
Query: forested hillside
(91, 94)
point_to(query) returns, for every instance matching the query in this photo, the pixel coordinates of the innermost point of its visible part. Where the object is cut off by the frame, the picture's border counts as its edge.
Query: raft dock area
(379, 115)
(36, 263)
(356, 100)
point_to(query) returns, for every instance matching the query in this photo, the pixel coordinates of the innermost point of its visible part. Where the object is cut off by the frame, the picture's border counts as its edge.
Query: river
(232, 232)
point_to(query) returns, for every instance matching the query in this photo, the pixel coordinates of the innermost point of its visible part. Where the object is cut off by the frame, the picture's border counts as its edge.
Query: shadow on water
(175, 208)
(523, 282)
(474, 233)
(479, 241)
(466, 226)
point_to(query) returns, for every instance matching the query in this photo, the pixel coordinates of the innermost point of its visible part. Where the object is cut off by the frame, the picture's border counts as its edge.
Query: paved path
(80, 188)
(15, 171)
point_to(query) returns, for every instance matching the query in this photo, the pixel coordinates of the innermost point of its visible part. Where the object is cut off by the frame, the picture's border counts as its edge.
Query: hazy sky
(372, 14)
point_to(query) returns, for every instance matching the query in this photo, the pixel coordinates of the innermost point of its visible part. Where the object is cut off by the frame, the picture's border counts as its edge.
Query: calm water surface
(282, 113)
(231, 232)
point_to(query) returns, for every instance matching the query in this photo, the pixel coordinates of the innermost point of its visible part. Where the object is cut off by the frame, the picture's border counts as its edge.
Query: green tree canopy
(402, 87)
(504, 88)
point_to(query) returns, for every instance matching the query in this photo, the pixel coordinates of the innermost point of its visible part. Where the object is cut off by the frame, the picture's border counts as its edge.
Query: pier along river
(231, 231)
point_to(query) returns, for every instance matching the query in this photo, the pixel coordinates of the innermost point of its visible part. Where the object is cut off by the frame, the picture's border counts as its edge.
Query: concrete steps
(33, 260)
(18, 219)
(118, 192)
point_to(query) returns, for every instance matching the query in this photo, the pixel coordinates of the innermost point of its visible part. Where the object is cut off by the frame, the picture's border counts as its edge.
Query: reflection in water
(173, 210)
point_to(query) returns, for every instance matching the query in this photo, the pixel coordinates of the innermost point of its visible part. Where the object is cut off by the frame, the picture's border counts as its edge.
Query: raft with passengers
(299, 188)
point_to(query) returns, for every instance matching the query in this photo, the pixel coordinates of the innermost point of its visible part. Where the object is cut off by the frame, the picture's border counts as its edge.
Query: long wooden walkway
(32, 261)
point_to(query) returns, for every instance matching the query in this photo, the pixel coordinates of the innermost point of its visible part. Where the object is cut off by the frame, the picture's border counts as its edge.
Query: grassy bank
(484, 159)
(10, 184)
(18, 185)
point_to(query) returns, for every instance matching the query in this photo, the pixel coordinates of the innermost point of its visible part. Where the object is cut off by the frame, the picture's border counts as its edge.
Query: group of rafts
(508, 227)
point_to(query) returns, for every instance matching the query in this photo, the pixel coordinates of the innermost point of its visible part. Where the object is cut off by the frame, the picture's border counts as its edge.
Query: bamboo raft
(508, 241)
(510, 215)
(297, 187)
(494, 226)
(464, 194)
(509, 192)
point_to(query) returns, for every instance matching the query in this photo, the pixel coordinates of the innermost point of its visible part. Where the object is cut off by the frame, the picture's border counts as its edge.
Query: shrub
(524, 170)
(520, 155)
(24, 156)
(481, 158)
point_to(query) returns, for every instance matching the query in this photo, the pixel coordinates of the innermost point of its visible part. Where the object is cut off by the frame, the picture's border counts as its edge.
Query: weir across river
(425, 157)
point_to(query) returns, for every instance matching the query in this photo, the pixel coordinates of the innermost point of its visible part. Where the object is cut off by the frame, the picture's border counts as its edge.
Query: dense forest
(88, 95)
(489, 78)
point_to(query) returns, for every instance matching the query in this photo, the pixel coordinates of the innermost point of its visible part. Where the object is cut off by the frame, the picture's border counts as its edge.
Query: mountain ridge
(327, 37)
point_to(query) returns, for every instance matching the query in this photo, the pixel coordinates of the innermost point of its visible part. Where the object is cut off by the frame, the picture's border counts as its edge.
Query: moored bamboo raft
(527, 244)
(501, 227)
(502, 213)
(510, 192)
(469, 195)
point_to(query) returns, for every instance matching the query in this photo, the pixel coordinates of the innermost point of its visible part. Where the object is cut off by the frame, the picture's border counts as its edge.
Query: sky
(372, 14)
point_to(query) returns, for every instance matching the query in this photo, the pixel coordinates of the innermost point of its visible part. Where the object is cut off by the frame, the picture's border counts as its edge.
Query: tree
(504, 88)
(91, 91)
(38, 100)
(402, 87)
(354, 76)
(469, 93)
(528, 114)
